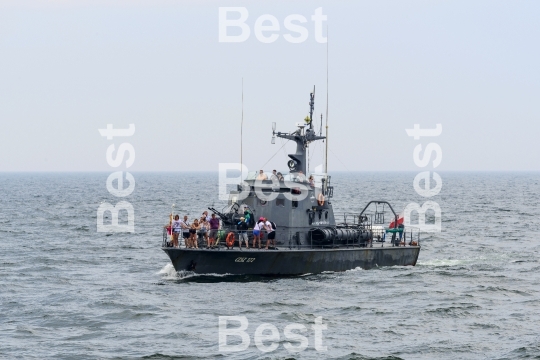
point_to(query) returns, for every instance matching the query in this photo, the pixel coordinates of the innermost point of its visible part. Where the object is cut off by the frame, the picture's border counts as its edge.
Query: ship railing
(376, 224)
(409, 236)
(167, 238)
(349, 219)
(219, 242)
(355, 219)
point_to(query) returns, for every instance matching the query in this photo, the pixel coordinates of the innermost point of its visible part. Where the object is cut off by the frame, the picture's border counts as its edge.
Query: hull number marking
(243, 259)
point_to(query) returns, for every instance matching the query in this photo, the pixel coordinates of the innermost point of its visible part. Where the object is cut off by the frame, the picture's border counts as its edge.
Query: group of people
(206, 226)
(275, 176)
(260, 226)
(278, 176)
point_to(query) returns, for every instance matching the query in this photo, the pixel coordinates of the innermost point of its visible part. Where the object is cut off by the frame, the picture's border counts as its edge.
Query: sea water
(68, 292)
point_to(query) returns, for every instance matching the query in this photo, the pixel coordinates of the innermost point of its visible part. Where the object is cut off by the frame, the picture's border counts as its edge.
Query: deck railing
(380, 235)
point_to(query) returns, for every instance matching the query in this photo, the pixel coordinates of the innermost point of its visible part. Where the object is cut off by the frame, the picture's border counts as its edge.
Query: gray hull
(289, 262)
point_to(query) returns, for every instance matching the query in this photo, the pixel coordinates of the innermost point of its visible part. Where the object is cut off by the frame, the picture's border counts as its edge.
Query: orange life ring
(230, 239)
(320, 199)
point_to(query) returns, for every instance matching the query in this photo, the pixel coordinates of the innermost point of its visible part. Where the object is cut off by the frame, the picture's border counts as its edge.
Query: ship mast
(302, 138)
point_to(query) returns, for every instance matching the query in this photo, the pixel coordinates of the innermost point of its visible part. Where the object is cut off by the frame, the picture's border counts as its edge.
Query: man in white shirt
(269, 226)
(261, 176)
(206, 216)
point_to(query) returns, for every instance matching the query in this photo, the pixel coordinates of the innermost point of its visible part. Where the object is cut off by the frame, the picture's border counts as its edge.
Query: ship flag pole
(170, 221)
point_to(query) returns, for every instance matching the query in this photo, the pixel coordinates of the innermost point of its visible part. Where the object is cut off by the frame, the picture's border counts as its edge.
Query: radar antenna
(311, 107)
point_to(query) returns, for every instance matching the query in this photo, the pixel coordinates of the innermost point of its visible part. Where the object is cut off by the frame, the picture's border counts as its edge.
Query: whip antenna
(241, 130)
(326, 153)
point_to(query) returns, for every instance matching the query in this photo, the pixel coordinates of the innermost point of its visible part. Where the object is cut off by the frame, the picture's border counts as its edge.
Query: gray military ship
(309, 236)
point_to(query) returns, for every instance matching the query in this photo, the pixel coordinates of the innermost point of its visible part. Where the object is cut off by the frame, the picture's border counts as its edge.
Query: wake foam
(168, 272)
(441, 262)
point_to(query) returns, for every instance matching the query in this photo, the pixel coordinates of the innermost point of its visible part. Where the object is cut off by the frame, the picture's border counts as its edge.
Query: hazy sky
(68, 68)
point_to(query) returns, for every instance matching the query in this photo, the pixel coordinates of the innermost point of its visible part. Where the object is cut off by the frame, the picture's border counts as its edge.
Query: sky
(69, 68)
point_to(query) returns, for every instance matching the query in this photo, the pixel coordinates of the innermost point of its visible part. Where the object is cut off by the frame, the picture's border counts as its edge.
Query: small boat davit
(308, 237)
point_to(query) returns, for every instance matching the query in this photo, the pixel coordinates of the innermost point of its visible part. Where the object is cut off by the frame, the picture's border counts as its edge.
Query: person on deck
(206, 216)
(242, 227)
(247, 216)
(185, 231)
(214, 227)
(168, 227)
(262, 227)
(311, 181)
(193, 234)
(401, 228)
(261, 176)
(176, 229)
(271, 229)
(204, 228)
(257, 233)
(300, 177)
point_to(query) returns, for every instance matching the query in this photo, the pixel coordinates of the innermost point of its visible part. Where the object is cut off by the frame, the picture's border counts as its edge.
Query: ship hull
(289, 262)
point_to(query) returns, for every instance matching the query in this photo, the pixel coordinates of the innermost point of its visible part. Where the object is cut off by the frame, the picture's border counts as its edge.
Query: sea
(70, 292)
